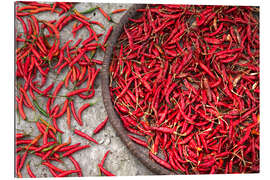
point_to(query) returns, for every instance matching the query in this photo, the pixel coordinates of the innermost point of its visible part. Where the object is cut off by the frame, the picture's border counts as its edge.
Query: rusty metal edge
(113, 116)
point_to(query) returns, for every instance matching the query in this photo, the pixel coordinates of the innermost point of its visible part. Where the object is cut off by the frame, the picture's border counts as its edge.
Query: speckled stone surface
(119, 161)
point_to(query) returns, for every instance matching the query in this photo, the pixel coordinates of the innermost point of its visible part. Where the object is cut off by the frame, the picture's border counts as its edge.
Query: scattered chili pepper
(76, 164)
(52, 167)
(75, 150)
(118, 11)
(31, 174)
(107, 173)
(78, 132)
(65, 173)
(101, 126)
(104, 14)
(41, 49)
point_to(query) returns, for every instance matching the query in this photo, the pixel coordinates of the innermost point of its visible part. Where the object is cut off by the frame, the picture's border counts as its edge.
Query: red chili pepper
(44, 146)
(246, 136)
(172, 161)
(30, 29)
(90, 84)
(45, 136)
(61, 56)
(59, 22)
(76, 164)
(46, 163)
(97, 23)
(170, 89)
(81, 20)
(19, 135)
(107, 35)
(138, 141)
(160, 161)
(41, 127)
(104, 171)
(55, 109)
(130, 39)
(46, 155)
(23, 158)
(118, 11)
(23, 24)
(48, 109)
(75, 92)
(56, 32)
(18, 158)
(101, 126)
(74, 113)
(207, 70)
(62, 149)
(65, 173)
(75, 150)
(164, 130)
(19, 174)
(104, 157)
(30, 173)
(46, 124)
(80, 15)
(56, 126)
(104, 14)
(82, 108)
(83, 71)
(56, 91)
(76, 59)
(26, 7)
(53, 172)
(125, 89)
(76, 131)
(60, 146)
(21, 111)
(63, 110)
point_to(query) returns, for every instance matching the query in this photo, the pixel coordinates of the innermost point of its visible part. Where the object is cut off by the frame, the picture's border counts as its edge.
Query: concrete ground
(120, 161)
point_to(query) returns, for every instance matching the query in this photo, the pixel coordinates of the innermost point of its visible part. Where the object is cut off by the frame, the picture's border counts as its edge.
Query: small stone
(101, 141)
(107, 141)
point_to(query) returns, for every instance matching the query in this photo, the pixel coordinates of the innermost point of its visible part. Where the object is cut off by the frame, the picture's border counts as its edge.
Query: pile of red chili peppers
(39, 52)
(185, 83)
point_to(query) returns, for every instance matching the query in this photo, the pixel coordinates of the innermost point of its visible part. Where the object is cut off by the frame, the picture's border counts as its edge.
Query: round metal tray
(116, 122)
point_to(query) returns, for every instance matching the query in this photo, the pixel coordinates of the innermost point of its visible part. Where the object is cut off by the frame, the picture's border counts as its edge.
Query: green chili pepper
(59, 138)
(42, 111)
(48, 148)
(88, 10)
